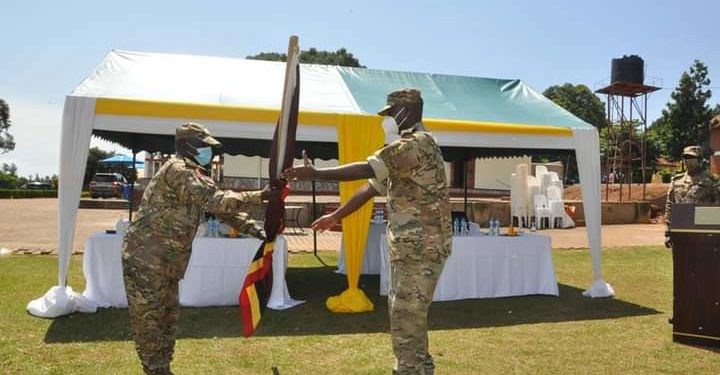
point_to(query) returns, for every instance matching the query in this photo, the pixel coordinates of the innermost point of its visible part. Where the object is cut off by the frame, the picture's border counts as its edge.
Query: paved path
(30, 226)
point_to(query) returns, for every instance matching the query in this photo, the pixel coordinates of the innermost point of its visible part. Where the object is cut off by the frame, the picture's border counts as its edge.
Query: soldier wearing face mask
(157, 246)
(411, 173)
(694, 186)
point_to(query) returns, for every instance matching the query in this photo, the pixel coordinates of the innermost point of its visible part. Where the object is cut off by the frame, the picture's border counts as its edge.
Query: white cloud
(36, 128)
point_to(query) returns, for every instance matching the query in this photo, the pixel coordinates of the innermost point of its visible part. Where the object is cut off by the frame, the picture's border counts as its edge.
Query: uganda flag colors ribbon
(256, 289)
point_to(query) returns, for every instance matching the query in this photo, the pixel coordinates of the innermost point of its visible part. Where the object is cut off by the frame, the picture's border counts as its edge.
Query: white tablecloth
(214, 276)
(490, 266)
(371, 259)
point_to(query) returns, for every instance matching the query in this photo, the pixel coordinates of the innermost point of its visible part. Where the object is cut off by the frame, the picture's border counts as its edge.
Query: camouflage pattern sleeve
(668, 204)
(398, 158)
(227, 201)
(198, 190)
(242, 222)
(380, 186)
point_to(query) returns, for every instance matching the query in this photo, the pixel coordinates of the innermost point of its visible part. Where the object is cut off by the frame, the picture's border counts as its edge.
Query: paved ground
(30, 226)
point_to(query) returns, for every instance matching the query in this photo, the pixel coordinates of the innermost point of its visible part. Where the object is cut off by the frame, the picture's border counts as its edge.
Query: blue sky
(48, 47)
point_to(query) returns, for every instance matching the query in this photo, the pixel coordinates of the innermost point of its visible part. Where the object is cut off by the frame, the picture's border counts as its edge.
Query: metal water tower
(626, 100)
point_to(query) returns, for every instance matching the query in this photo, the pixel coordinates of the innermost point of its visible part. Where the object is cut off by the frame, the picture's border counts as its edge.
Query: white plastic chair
(542, 210)
(556, 205)
(545, 181)
(518, 199)
(540, 170)
(533, 190)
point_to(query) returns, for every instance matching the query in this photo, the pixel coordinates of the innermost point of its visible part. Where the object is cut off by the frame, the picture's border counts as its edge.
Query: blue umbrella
(122, 160)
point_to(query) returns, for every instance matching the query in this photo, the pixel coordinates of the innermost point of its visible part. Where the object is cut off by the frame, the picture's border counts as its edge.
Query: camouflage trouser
(411, 291)
(152, 293)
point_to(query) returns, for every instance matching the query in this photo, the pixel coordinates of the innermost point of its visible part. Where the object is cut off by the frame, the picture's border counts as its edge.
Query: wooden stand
(695, 233)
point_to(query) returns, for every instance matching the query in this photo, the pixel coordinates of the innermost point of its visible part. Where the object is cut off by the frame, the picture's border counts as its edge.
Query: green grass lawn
(524, 335)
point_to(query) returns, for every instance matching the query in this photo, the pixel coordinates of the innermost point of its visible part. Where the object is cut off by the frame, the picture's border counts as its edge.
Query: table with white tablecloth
(371, 257)
(490, 266)
(215, 273)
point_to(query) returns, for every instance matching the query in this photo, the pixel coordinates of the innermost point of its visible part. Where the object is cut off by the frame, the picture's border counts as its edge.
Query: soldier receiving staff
(411, 172)
(157, 246)
(696, 185)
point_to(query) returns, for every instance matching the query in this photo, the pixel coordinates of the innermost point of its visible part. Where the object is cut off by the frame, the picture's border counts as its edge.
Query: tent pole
(314, 216)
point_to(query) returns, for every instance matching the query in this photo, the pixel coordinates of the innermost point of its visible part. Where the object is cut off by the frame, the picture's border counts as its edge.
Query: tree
(9, 178)
(685, 119)
(313, 56)
(583, 103)
(93, 164)
(580, 101)
(7, 142)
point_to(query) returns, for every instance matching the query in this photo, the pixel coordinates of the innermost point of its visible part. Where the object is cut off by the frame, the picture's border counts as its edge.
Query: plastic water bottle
(214, 227)
(495, 227)
(456, 226)
(463, 227)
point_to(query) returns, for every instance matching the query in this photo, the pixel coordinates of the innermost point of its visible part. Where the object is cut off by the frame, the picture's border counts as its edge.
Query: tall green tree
(7, 142)
(583, 103)
(312, 56)
(685, 119)
(580, 101)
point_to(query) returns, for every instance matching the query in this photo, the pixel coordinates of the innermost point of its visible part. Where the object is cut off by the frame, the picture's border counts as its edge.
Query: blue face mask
(204, 155)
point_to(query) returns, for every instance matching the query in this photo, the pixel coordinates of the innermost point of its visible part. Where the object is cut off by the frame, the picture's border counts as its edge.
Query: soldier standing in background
(157, 246)
(411, 172)
(696, 185)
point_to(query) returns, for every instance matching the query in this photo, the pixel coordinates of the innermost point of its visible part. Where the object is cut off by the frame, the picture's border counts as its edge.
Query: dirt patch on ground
(654, 193)
(31, 224)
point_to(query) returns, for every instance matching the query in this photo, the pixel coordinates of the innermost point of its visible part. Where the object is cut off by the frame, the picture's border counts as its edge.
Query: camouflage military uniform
(412, 174)
(156, 252)
(686, 188)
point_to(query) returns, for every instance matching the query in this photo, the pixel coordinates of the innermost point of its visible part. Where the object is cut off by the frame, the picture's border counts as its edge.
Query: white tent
(138, 99)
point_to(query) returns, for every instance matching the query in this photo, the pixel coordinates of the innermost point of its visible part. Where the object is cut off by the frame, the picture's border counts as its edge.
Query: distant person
(696, 185)
(157, 246)
(411, 172)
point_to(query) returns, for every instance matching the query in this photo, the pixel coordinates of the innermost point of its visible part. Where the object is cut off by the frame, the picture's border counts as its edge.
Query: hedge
(18, 193)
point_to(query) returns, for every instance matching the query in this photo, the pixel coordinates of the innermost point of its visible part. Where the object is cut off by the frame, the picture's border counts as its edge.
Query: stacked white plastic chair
(542, 210)
(546, 180)
(533, 190)
(540, 172)
(519, 202)
(555, 205)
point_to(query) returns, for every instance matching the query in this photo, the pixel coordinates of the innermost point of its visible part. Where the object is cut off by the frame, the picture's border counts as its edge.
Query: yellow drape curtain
(358, 138)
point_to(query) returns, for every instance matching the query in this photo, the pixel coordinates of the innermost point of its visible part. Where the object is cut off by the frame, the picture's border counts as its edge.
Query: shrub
(17, 193)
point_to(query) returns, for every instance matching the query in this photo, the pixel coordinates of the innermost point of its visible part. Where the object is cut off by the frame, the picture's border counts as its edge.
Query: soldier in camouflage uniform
(157, 246)
(411, 172)
(694, 186)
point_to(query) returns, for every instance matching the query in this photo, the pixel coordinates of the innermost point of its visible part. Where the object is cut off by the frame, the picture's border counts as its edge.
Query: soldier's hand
(668, 242)
(268, 193)
(325, 222)
(301, 172)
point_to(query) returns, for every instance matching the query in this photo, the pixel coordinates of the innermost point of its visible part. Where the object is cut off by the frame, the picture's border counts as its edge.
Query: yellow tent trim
(222, 112)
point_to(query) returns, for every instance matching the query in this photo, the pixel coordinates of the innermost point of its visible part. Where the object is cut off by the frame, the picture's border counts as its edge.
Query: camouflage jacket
(177, 198)
(411, 172)
(702, 188)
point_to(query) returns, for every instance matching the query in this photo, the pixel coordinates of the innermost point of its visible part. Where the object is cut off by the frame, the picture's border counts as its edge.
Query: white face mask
(390, 127)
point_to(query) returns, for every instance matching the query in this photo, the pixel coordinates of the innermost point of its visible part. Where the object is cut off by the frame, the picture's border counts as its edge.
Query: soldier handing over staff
(411, 172)
(157, 246)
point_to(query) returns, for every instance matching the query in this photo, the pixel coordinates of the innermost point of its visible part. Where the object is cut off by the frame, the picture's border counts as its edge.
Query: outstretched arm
(361, 196)
(347, 172)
